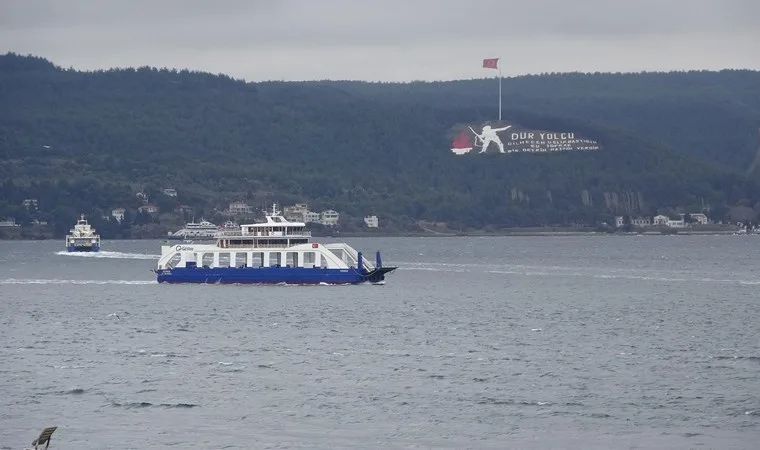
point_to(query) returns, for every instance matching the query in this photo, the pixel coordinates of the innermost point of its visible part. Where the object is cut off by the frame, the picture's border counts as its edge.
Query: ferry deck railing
(255, 245)
(220, 234)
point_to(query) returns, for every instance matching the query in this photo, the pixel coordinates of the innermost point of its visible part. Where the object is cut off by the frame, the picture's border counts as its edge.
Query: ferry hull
(83, 248)
(269, 275)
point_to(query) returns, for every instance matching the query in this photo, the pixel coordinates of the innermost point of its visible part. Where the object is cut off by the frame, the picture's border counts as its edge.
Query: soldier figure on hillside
(489, 135)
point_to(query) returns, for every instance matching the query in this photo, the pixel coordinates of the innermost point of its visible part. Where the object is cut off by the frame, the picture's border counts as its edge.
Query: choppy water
(528, 342)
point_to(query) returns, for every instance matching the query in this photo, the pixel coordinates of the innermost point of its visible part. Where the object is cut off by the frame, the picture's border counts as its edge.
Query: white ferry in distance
(276, 251)
(200, 230)
(82, 238)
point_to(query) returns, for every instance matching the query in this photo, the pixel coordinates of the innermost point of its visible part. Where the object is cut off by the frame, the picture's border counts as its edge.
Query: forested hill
(89, 141)
(711, 114)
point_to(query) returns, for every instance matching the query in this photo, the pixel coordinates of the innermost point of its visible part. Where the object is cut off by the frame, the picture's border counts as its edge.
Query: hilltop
(89, 141)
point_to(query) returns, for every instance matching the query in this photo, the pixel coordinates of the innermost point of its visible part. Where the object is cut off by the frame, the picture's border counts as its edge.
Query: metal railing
(254, 245)
(238, 233)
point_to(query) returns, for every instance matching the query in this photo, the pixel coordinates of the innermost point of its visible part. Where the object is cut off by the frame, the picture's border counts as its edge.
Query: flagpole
(499, 91)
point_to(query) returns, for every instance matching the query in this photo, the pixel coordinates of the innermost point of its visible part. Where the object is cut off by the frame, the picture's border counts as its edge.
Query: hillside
(88, 141)
(710, 114)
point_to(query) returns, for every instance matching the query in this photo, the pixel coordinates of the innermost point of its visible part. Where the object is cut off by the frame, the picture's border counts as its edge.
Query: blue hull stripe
(265, 275)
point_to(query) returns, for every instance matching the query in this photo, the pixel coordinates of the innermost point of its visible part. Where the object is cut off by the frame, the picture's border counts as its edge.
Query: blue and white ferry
(276, 251)
(82, 238)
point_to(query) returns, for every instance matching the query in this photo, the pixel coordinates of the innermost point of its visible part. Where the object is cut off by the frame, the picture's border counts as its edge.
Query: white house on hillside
(700, 218)
(239, 208)
(371, 221)
(660, 220)
(148, 209)
(296, 212)
(9, 222)
(31, 204)
(641, 222)
(118, 214)
(677, 223)
(329, 218)
(635, 221)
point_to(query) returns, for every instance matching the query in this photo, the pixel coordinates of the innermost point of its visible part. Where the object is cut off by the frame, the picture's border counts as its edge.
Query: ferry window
(224, 259)
(174, 261)
(275, 259)
(257, 259)
(208, 259)
(309, 259)
(344, 256)
(241, 259)
(291, 259)
(339, 253)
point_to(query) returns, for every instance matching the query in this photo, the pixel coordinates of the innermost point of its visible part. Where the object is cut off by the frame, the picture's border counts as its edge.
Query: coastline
(21, 234)
(526, 233)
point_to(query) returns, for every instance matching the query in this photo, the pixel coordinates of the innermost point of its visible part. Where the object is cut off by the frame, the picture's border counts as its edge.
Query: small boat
(82, 238)
(276, 251)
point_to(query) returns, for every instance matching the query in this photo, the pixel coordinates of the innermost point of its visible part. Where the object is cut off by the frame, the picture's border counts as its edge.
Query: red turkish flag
(490, 63)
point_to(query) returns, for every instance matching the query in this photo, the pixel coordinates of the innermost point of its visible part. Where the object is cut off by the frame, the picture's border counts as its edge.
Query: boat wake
(112, 255)
(54, 281)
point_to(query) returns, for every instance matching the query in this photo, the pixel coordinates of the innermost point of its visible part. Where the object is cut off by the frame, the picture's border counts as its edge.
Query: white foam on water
(112, 255)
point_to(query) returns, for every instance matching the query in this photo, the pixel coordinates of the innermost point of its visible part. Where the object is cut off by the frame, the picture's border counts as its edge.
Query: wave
(54, 281)
(113, 255)
(150, 405)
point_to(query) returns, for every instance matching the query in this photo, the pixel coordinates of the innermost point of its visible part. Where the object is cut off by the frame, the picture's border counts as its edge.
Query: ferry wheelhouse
(82, 238)
(272, 252)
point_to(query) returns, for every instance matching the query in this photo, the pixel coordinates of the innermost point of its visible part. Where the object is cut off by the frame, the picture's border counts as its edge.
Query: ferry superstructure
(276, 251)
(82, 238)
(195, 230)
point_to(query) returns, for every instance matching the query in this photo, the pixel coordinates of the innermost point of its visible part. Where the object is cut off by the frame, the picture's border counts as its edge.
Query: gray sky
(392, 40)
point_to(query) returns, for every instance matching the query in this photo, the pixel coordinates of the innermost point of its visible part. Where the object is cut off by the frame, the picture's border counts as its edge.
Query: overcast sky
(393, 40)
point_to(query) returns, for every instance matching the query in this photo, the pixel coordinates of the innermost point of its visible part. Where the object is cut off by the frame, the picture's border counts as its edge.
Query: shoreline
(526, 232)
